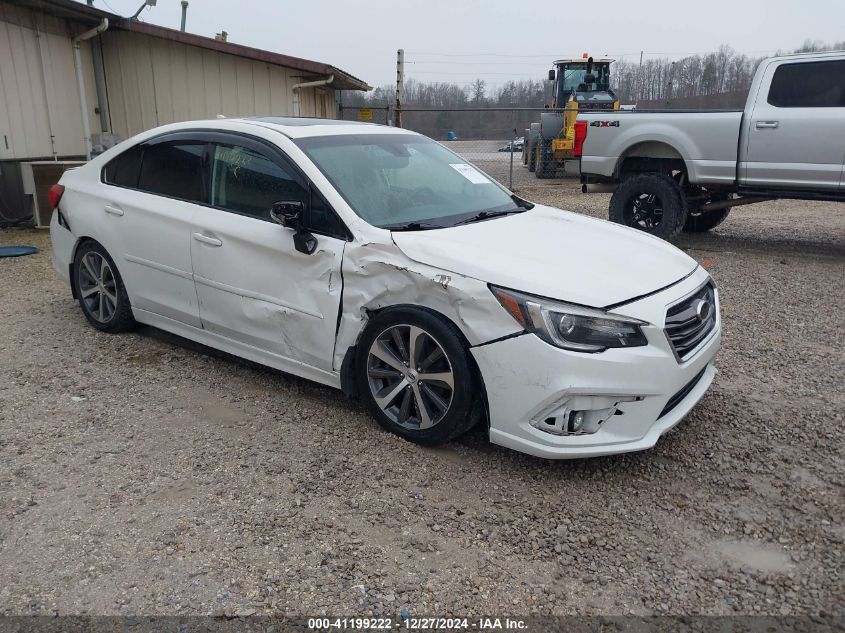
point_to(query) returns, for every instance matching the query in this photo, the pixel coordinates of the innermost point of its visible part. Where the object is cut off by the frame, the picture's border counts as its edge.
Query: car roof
(301, 127)
(583, 60)
(819, 54)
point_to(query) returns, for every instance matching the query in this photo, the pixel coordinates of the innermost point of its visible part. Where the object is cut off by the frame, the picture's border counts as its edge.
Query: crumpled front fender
(378, 276)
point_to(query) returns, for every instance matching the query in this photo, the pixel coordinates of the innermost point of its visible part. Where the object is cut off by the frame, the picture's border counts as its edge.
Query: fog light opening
(580, 415)
(576, 421)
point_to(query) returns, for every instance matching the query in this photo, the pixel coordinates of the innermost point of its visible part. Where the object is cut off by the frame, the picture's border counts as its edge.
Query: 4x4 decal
(604, 123)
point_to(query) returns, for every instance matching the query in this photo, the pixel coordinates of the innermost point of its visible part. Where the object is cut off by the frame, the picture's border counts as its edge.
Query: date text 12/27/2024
(419, 624)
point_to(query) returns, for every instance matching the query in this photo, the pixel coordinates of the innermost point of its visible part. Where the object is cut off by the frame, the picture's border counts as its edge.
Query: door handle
(113, 210)
(211, 241)
(762, 125)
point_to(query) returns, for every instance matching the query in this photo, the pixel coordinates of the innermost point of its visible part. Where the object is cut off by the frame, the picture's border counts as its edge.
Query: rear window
(123, 170)
(809, 85)
(173, 169)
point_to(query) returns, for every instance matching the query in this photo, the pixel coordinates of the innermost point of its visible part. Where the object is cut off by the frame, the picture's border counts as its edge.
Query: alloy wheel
(645, 211)
(410, 377)
(97, 287)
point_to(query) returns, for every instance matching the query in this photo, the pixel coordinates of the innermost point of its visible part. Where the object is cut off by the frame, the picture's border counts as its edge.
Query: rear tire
(701, 221)
(533, 140)
(397, 351)
(100, 290)
(546, 165)
(653, 203)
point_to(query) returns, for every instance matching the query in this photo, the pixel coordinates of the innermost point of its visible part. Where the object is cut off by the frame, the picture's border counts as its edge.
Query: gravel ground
(142, 474)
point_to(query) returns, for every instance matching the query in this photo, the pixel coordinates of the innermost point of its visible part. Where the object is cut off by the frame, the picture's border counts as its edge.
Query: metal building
(59, 58)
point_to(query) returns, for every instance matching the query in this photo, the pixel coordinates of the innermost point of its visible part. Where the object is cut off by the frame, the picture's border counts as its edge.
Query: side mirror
(289, 214)
(552, 74)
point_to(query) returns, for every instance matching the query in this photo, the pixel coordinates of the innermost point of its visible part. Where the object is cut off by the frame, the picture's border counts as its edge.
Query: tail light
(54, 195)
(580, 137)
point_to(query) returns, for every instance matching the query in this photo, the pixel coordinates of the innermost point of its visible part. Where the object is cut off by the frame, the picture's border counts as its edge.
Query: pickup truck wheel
(653, 203)
(701, 221)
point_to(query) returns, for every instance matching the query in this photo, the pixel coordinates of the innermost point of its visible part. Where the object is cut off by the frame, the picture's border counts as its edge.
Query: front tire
(99, 288)
(415, 376)
(653, 203)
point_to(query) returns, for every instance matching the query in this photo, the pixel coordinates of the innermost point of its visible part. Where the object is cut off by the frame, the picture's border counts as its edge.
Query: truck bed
(707, 141)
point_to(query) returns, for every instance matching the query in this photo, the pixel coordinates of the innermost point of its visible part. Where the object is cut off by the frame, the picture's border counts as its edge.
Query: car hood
(555, 254)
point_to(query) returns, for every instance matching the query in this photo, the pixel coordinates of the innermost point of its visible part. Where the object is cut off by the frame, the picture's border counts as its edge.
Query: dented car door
(252, 284)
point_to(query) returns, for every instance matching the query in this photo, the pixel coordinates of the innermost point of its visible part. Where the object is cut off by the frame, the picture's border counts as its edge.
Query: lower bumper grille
(675, 400)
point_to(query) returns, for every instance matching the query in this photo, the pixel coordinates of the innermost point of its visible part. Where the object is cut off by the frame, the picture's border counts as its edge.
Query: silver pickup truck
(683, 170)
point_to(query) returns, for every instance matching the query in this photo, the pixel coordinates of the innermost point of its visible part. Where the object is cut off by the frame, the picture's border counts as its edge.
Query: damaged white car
(374, 260)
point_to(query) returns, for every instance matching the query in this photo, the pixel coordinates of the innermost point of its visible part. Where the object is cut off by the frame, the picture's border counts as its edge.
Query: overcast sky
(496, 40)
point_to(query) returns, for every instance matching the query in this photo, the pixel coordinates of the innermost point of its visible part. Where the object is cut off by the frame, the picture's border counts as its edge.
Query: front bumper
(527, 379)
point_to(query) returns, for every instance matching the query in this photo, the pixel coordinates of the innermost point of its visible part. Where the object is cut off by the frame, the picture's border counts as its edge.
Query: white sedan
(374, 260)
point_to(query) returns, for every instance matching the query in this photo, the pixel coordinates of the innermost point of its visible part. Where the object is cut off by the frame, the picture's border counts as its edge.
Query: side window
(247, 182)
(809, 85)
(174, 169)
(323, 219)
(123, 169)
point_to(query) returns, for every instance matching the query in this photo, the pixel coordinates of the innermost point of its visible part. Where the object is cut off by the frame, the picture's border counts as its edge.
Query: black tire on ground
(457, 417)
(526, 144)
(701, 221)
(546, 164)
(100, 290)
(653, 203)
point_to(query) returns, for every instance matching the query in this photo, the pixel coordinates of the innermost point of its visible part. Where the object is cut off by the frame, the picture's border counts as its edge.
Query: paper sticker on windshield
(470, 173)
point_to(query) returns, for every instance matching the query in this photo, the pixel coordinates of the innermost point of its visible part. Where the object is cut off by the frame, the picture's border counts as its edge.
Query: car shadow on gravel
(303, 385)
(477, 445)
(474, 446)
(755, 243)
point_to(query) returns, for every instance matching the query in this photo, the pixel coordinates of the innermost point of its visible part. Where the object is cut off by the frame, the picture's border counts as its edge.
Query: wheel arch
(649, 156)
(84, 239)
(348, 367)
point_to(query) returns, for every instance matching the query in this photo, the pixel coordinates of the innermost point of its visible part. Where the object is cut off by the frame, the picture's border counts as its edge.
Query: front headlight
(570, 326)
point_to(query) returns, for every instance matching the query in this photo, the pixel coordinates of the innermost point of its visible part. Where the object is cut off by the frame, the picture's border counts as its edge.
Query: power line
(546, 55)
(470, 74)
(426, 61)
(559, 55)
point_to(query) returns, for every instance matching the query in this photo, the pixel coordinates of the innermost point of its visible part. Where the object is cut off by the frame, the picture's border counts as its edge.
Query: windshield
(402, 179)
(575, 76)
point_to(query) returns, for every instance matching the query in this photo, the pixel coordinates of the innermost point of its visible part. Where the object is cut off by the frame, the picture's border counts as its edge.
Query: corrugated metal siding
(152, 81)
(38, 90)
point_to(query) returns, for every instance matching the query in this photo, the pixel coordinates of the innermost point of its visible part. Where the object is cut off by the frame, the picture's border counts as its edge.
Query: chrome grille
(690, 321)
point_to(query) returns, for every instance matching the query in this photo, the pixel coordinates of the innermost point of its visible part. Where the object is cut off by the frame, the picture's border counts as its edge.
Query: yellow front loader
(579, 84)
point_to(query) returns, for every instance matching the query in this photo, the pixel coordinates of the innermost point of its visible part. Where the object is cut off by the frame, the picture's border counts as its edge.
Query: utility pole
(400, 85)
(639, 81)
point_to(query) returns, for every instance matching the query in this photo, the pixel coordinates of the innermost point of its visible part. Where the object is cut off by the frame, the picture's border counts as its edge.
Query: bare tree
(478, 91)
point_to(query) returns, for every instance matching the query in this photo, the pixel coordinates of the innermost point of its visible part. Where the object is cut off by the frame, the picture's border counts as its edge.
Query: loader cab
(588, 79)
